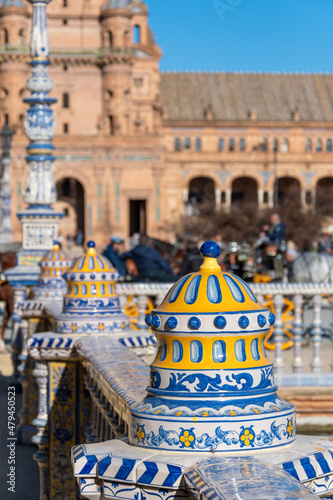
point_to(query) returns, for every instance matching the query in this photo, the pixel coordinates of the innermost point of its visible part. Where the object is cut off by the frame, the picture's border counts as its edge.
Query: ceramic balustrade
(173, 443)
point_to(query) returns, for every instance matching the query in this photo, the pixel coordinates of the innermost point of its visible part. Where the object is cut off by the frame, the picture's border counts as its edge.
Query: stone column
(217, 198)
(228, 198)
(260, 199)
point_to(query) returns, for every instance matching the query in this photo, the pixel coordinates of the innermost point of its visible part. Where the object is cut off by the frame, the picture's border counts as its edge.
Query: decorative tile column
(6, 233)
(39, 221)
(90, 307)
(36, 314)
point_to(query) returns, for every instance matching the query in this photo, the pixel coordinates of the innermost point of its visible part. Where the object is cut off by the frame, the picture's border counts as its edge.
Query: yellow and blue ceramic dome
(91, 304)
(211, 383)
(51, 284)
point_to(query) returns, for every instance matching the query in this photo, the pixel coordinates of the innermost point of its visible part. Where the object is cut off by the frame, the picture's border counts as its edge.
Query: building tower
(117, 70)
(14, 27)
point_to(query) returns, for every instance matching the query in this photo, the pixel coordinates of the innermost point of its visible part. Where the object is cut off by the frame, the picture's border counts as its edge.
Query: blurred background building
(136, 147)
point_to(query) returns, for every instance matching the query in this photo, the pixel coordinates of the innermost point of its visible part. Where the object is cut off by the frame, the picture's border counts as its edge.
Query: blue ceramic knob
(271, 319)
(261, 320)
(194, 323)
(172, 322)
(156, 322)
(243, 322)
(210, 249)
(220, 322)
(148, 319)
(91, 244)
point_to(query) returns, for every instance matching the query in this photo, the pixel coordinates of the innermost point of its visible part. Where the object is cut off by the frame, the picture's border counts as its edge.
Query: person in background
(192, 258)
(150, 263)
(277, 230)
(111, 252)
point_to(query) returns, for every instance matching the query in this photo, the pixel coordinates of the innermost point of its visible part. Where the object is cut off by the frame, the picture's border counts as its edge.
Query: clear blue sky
(244, 35)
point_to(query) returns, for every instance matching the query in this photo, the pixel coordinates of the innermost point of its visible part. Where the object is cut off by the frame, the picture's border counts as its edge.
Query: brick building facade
(137, 147)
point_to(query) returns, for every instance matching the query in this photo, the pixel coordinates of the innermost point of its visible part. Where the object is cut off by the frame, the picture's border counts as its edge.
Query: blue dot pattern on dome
(261, 320)
(156, 322)
(82, 276)
(243, 322)
(91, 244)
(220, 322)
(172, 322)
(92, 276)
(148, 319)
(210, 249)
(194, 323)
(271, 318)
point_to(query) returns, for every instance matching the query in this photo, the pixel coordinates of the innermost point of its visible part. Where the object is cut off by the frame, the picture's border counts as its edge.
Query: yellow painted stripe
(207, 359)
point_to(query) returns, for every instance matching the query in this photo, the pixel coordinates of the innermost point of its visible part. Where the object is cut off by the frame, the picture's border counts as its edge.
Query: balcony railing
(71, 52)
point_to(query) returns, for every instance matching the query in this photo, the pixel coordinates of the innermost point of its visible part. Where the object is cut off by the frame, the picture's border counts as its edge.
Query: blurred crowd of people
(149, 259)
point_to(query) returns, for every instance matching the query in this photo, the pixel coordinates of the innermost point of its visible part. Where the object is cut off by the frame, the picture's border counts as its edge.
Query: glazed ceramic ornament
(211, 384)
(51, 284)
(91, 304)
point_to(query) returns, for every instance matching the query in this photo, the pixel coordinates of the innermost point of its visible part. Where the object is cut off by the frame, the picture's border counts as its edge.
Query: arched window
(5, 37)
(231, 144)
(264, 144)
(275, 145)
(21, 37)
(241, 144)
(178, 145)
(221, 144)
(198, 144)
(110, 37)
(329, 145)
(319, 145)
(285, 146)
(4, 93)
(110, 94)
(65, 100)
(64, 3)
(308, 145)
(187, 143)
(126, 37)
(136, 34)
(111, 123)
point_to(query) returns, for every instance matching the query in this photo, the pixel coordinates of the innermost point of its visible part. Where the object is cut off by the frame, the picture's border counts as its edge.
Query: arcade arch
(244, 191)
(201, 194)
(289, 191)
(324, 196)
(71, 200)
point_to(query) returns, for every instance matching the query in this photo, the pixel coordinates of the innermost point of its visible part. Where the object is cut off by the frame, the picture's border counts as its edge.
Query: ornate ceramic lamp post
(6, 234)
(39, 220)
